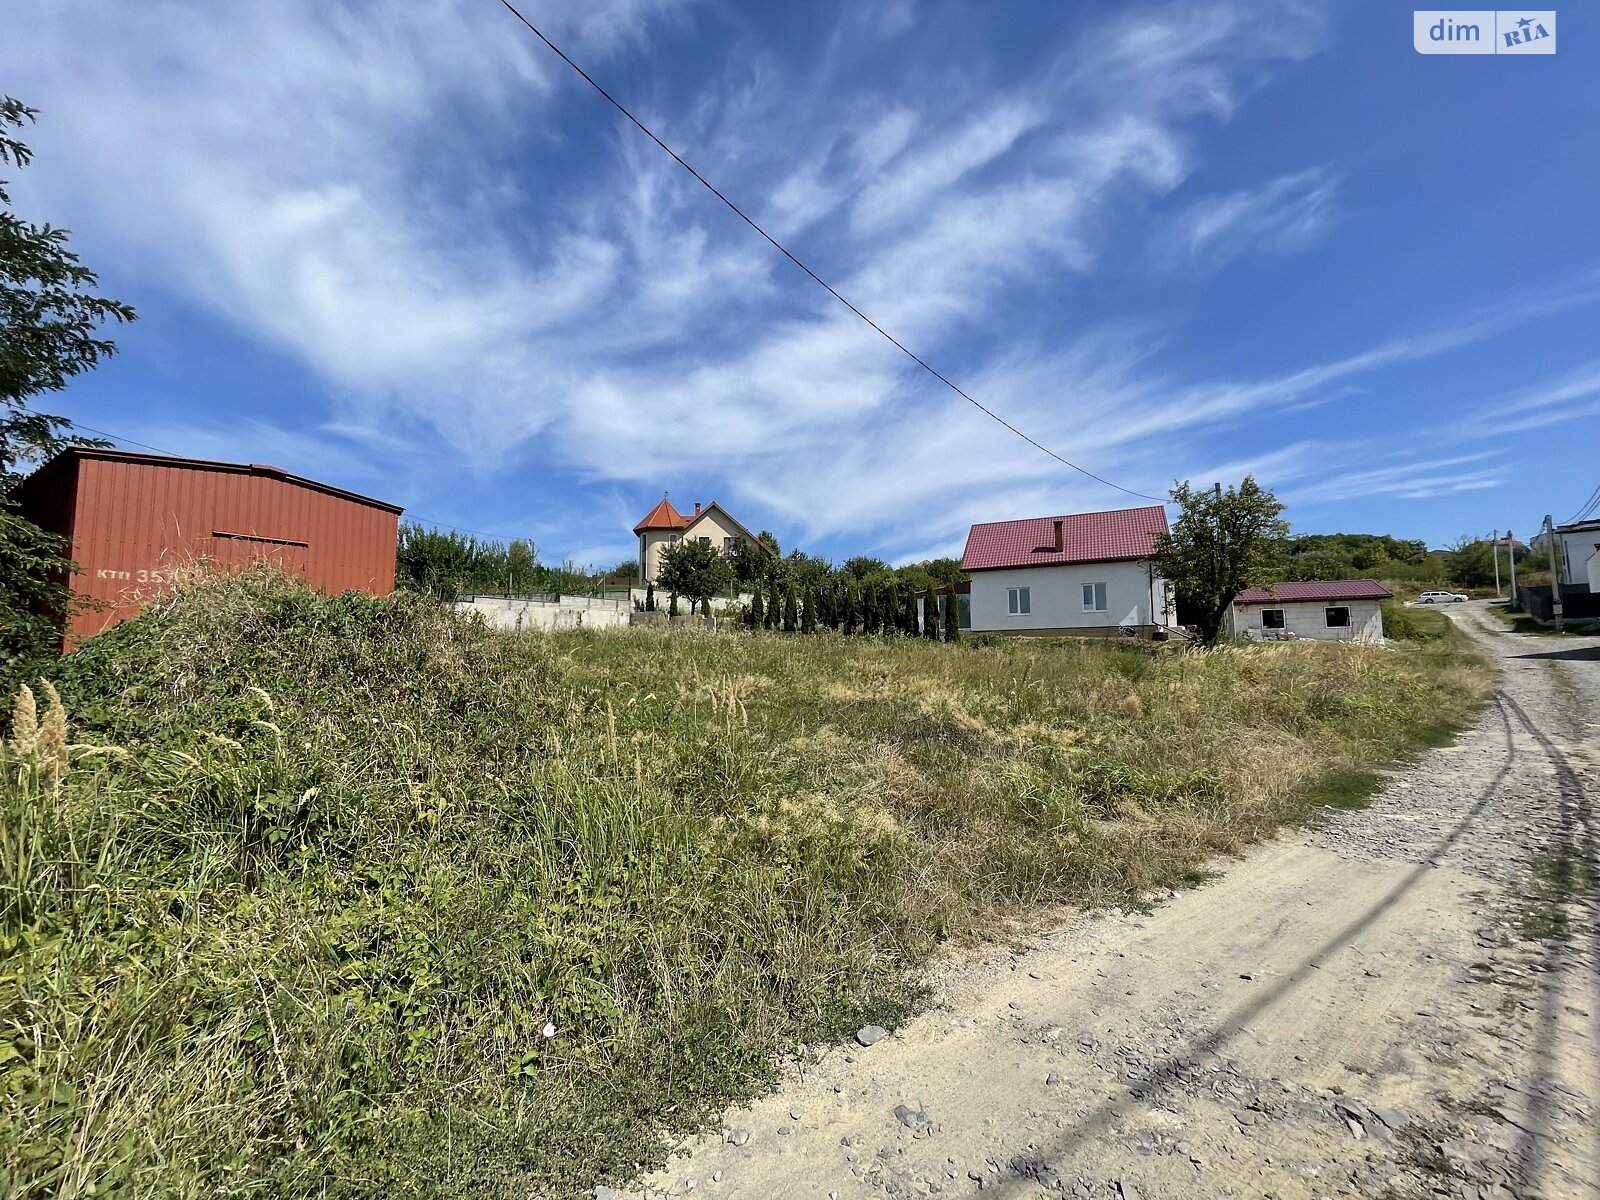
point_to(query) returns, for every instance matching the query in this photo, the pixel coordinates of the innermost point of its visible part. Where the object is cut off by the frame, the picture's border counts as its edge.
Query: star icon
(1525, 22)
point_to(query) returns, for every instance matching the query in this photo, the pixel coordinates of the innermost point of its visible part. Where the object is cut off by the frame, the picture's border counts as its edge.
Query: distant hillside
(1362, 555)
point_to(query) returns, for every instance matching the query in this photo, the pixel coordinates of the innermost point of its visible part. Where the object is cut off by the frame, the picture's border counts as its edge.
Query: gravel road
(1401, 1002)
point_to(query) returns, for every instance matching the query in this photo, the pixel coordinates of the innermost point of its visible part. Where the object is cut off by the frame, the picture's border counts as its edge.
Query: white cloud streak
(411, 201)
(1283, 216)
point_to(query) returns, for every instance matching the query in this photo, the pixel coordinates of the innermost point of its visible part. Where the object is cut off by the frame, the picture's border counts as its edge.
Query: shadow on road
(1576, 654)
(1094, 1123)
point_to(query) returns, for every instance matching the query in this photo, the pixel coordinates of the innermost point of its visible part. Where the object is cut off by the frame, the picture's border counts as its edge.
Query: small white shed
(1327, 610)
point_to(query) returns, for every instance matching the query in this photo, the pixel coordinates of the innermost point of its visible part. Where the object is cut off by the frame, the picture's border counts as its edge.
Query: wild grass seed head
(24, 722)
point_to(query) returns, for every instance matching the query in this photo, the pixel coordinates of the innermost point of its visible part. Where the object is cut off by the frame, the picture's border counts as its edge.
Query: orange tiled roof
(662, 516)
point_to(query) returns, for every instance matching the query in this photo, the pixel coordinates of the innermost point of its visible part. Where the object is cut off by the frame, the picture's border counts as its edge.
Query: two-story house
(711, 525)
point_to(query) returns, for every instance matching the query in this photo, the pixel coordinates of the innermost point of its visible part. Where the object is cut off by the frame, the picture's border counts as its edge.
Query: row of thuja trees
(805, 593)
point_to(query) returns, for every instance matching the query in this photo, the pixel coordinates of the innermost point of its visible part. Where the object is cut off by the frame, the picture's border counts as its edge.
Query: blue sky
(399, 247)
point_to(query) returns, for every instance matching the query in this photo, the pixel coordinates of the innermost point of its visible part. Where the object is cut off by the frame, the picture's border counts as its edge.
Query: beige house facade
(663, 526)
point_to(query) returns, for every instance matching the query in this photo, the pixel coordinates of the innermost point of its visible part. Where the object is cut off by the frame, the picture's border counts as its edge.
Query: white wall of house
(1055, 598)
(1309, 619)
(651, 543)
(1578, 549)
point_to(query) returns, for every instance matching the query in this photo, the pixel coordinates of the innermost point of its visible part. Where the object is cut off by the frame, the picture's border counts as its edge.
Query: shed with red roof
(1076, 574)
(1325, 610)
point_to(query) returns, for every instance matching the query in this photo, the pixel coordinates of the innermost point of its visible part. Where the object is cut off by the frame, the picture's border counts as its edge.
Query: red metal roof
(1317, 589)
(1085, 537)
(72, 454)
(662, 516)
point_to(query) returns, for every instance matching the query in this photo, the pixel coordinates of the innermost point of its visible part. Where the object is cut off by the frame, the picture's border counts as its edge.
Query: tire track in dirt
(1345, 1012)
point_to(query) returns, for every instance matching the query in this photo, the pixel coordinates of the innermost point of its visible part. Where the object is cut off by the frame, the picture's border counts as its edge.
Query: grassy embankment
(1520, 622)
(350, 897)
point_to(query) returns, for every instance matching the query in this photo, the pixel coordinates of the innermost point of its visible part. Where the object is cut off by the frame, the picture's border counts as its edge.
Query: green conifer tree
(930, 614)
(952, 615)
(758, 616)
(808, 618)
(791, 616)
(774, 612)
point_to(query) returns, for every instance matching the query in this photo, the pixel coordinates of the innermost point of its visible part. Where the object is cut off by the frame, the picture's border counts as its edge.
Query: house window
(1337, 618)
(1019, 603)
(705, 541)
(729, 544)
(1272, 618)
(1094, 597)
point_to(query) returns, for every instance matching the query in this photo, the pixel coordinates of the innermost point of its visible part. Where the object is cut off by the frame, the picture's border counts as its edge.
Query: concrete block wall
(570, 612)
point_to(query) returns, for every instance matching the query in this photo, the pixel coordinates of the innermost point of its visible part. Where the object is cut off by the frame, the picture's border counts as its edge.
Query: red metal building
(133, 517)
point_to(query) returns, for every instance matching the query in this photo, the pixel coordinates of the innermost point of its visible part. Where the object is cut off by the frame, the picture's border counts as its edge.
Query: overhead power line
(817, 279)
(1589, 506)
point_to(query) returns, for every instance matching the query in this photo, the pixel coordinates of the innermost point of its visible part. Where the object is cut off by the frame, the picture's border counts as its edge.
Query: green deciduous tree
(694, 570)
(751, 562)
(50, 332)
(1221, 543)
(50, 319)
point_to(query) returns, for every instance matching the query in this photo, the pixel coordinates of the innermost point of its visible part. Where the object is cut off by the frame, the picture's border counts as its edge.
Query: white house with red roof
(1086, 574)
(663, 525)
(1328, 610)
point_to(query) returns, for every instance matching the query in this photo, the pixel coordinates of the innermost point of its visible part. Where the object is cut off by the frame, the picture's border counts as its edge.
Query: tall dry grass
(351, 897)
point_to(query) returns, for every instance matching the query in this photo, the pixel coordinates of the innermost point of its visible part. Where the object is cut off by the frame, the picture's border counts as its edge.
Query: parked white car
(1441, 598)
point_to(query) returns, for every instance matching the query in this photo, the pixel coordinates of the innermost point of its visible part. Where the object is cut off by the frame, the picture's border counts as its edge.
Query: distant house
(1088, 574)
(1577, 553)
(664, 525)
(1346, 610)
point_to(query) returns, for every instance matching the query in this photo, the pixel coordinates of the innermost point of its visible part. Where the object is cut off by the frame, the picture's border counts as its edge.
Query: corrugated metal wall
(133, 518)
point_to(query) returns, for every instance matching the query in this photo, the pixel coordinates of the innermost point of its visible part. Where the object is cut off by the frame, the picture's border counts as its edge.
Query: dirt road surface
(1401, 1002)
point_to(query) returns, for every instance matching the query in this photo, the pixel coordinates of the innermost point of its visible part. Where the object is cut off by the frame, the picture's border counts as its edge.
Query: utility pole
(1555, 570)
(1494, 549)
(1511, 553)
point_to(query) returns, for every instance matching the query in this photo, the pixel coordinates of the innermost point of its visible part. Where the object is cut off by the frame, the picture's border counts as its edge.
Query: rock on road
(1401, 1002)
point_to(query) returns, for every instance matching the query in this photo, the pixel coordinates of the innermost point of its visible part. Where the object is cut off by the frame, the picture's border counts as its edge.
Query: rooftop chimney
(1058, 535)
(697, 508)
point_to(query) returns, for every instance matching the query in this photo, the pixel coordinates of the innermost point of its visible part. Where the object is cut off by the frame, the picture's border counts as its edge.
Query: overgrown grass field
(350, 897)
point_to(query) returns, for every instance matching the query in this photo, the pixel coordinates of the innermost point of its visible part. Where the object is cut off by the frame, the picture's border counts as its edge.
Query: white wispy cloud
(1572, 397)
(488, 278)
(1284, 215)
